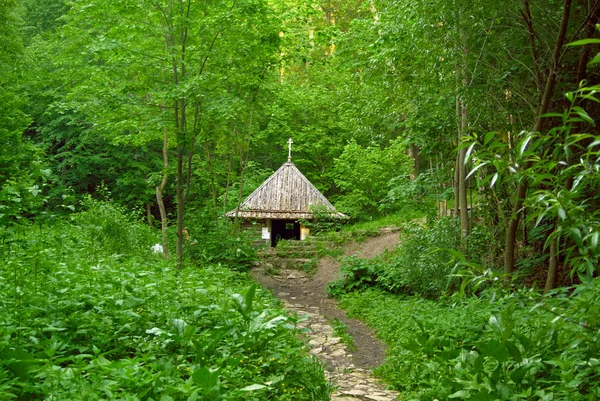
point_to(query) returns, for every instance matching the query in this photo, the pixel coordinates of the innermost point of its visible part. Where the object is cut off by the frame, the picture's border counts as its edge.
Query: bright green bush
(516, 346)
(226, 244)
(362, 174)
(420, 265)
(84, 317)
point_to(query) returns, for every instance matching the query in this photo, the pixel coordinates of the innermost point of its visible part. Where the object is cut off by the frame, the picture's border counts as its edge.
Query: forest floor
(348, 368)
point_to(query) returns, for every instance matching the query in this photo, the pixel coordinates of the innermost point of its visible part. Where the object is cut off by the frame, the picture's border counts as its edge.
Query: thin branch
(527, 18)
(482, 49)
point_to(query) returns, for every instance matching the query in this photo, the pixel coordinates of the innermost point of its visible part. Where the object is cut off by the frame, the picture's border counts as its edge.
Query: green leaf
(594, 239)
(468, 153)
(518, 375)
(476, 168)
(494, 178)
(460, 394)
(595, 60)
(584, 115)
(583, 42)
(495, 349)
(206, 378)
(595, 143)
(514, 351)
(254, 387)
(488, 137)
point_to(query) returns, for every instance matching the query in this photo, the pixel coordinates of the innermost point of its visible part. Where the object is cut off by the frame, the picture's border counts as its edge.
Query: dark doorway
(284, 229)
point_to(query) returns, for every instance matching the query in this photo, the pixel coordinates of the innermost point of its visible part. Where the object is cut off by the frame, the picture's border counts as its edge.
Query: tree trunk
(180, 207)
(552, 268)
(149, 213)
(543, 105)
(456, 179)
(159, 199)
(413, 151)
(462, 180)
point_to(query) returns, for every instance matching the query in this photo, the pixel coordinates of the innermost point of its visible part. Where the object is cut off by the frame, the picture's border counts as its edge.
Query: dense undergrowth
(511, 346)
(455, 333)
(423, 264)
(88, 312)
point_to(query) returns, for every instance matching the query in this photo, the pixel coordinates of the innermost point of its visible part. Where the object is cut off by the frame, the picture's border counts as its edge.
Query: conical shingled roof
(287, 194)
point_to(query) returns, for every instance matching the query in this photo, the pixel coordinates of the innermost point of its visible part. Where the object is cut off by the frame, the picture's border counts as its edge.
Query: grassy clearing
(87, 312)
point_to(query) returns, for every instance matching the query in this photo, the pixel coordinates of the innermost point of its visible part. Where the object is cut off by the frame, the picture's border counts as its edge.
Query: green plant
(323, 220)
(340, 329)
(422, 263)
(223, 243)
(499, 346)
(79, 317)
(357, 274)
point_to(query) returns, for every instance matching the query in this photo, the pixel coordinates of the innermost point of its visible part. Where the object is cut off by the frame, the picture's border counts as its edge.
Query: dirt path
(349, 371)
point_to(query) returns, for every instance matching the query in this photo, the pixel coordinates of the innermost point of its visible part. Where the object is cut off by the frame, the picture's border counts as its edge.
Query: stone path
(350, 382)
(349, 372)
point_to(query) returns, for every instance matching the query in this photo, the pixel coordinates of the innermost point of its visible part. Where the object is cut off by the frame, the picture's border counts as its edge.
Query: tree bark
(149, 213)
(159, 198)
(413, 151)
(543, 105)
(552, 268)
(592, 20)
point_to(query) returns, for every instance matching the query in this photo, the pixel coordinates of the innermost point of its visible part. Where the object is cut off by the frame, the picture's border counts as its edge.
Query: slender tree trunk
(228, 183)
(213, 188)
(513, 225)
(159, 198)
(456, 180)
(180, 181)
(552, 267)
(592, 20)
(464, 118)
(149, 213)
(462, 179)
(413, 152)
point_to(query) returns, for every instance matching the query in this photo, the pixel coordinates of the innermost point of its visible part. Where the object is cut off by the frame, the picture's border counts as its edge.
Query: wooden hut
(272, 212)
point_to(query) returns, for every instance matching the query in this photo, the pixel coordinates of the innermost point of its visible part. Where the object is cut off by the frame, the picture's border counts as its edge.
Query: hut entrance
(284, 229)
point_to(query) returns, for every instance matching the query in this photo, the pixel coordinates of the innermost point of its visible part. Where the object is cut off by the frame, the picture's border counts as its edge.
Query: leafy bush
(420, 265)
(322, 221)
(78, 319)
(358, 274)
(418, 194)
(363, 174)
(516, 346)
(110, 228)
(225, 244)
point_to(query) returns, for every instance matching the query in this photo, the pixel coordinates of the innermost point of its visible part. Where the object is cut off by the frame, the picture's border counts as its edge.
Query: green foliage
(107, 227)
(420, 265)
(15, 152)
(515, 346)
(340, 329)
(225, 244)
(80, 318)
(418, 194)
(563, 165)
(362, 174)
(323, 221)
(358, 274)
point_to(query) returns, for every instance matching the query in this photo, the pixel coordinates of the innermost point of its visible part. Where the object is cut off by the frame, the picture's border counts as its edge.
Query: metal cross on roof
(290, 149)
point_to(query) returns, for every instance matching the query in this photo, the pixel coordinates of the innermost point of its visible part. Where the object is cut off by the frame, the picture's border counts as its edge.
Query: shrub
(420, 265)
(225, 244)
(513, 346)
(79, 320)
(107, 227)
